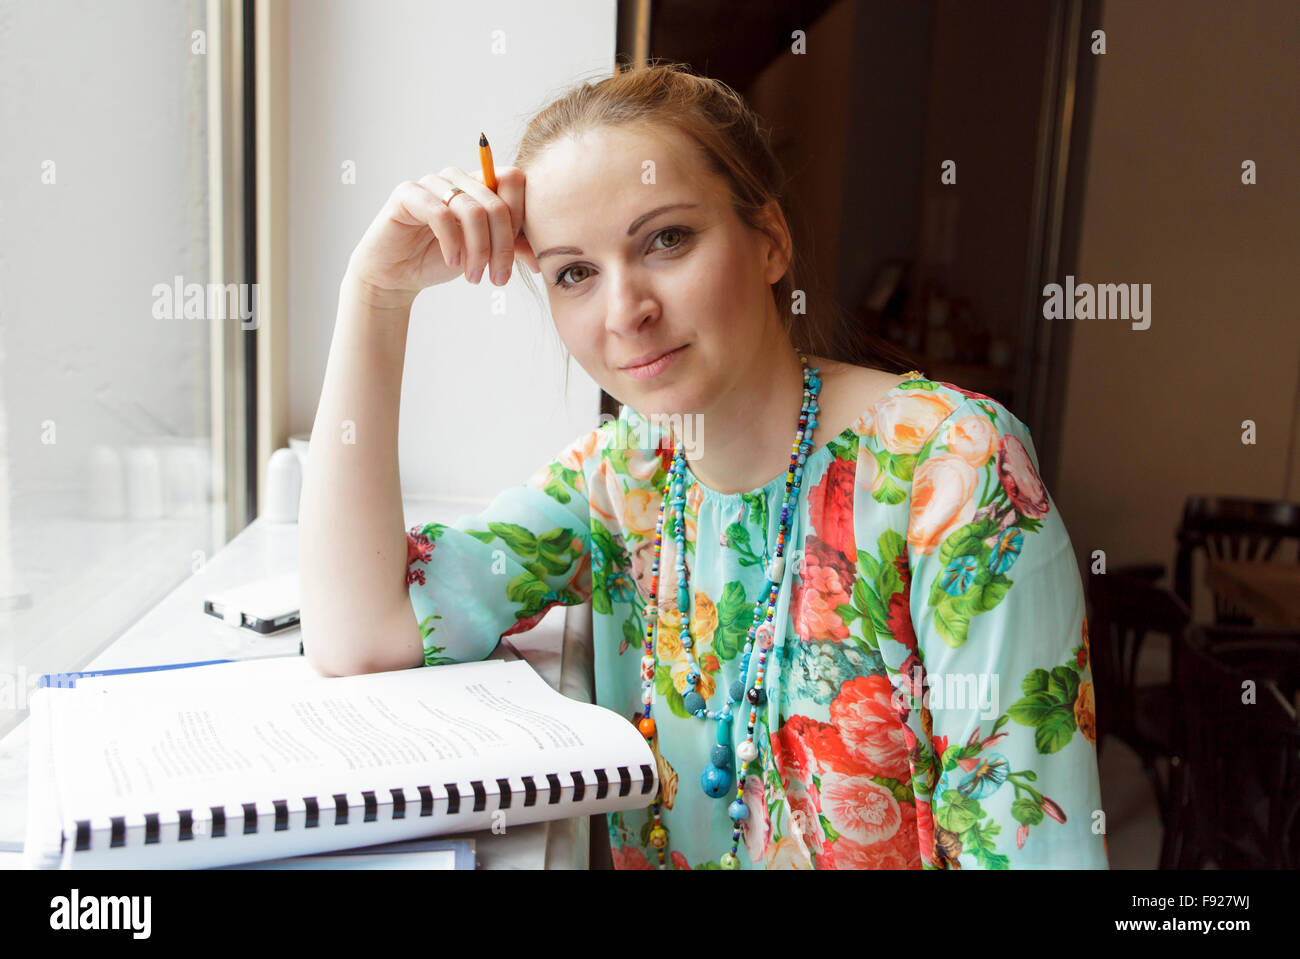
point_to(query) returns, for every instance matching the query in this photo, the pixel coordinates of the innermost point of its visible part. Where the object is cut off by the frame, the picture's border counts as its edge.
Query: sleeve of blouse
(1001, 657)
(498, 572)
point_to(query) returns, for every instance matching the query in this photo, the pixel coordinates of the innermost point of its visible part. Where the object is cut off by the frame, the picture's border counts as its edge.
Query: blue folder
(69, 680)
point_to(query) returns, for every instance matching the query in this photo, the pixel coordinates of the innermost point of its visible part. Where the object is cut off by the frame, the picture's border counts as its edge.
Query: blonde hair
(736, 146)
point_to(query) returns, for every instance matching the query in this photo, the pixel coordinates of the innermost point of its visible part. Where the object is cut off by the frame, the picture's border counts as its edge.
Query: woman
(872, 652)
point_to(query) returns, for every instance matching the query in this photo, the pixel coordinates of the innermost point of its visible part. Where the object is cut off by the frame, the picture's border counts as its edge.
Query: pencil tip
(482, 140)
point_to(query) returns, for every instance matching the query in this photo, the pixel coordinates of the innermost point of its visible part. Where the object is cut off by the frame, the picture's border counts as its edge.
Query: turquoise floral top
(929, 698)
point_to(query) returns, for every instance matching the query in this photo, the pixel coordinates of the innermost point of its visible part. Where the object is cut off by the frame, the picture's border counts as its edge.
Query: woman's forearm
(356, 614)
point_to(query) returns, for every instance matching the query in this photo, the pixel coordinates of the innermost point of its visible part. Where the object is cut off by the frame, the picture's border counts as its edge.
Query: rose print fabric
(929, 697)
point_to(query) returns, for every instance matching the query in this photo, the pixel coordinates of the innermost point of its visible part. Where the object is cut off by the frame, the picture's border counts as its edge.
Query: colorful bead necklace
(717, 778)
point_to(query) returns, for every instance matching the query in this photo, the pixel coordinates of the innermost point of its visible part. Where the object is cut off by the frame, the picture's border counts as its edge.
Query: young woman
(835, 598)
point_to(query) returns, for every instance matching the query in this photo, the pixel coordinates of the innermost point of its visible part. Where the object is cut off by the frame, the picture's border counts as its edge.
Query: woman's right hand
(417, 241)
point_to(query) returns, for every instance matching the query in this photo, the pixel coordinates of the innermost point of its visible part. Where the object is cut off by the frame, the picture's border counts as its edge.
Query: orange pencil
(485, 161)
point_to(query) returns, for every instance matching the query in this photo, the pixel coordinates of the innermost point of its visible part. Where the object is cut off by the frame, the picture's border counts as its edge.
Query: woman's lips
(649, 370)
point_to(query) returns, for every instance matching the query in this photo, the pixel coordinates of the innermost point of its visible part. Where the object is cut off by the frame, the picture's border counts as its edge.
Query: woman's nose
(631, 303)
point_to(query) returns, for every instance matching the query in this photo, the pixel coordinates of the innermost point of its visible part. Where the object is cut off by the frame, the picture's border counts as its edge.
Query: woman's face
(623, 285)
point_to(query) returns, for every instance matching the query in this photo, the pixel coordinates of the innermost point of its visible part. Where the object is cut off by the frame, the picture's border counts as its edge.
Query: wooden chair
(1236, 794)
(1126, 609)
(1230, 528)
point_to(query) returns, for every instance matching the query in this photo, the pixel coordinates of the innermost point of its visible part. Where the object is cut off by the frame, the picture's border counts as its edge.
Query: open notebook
(240, 762)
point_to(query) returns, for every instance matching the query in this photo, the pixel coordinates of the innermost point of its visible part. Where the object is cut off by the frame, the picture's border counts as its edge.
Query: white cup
(144, 483)
(185, 477)
(107, 483)
(283, 487)
(300, 443)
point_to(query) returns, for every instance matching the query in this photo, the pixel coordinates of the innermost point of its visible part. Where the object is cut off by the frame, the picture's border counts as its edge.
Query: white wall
(402, 89)
(1153, 416)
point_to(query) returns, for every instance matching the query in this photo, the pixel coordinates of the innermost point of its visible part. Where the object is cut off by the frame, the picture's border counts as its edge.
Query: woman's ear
(781, 245)
(524, 250)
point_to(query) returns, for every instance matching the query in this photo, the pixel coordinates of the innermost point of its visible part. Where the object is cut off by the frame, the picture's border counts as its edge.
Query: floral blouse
(929, 698)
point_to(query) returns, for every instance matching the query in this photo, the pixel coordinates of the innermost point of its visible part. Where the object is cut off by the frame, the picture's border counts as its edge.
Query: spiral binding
(247, 817)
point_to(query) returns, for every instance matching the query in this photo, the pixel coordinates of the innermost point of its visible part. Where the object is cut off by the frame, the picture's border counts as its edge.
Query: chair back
(1231, 528)
(1126, 609)
(1240, 749)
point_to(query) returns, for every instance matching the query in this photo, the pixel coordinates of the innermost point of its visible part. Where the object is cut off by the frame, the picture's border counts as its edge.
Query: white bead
(777, 567)
(647, 662)
(648, 695)
(746, 752)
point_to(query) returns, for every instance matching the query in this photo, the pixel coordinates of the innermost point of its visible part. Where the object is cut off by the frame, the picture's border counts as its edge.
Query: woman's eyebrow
(631, 230)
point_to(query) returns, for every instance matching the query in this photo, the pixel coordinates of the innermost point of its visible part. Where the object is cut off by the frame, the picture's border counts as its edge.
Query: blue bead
(716, 782)
(693, 702)
(683, 600)
(737, 691)
(738, 810)
(724, 729)
(814, 382)
(720, 756)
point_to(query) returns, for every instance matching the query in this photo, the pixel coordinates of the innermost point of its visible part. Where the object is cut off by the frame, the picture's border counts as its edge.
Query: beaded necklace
(717, 778)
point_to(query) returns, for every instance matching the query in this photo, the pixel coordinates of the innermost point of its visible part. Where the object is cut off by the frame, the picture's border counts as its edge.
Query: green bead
(729, 861)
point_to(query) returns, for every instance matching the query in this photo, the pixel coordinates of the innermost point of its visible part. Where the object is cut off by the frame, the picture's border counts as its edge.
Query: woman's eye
(679, 231)
(670, 231)
(560, 276)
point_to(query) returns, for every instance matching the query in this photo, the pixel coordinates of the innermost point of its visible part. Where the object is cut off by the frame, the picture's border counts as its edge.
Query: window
(122, 396)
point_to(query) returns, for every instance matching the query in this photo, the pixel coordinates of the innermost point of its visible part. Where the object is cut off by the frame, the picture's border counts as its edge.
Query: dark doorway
(870, 105)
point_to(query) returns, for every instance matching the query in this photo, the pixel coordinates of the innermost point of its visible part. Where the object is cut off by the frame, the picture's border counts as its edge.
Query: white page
(119, 753)
(41, 848)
